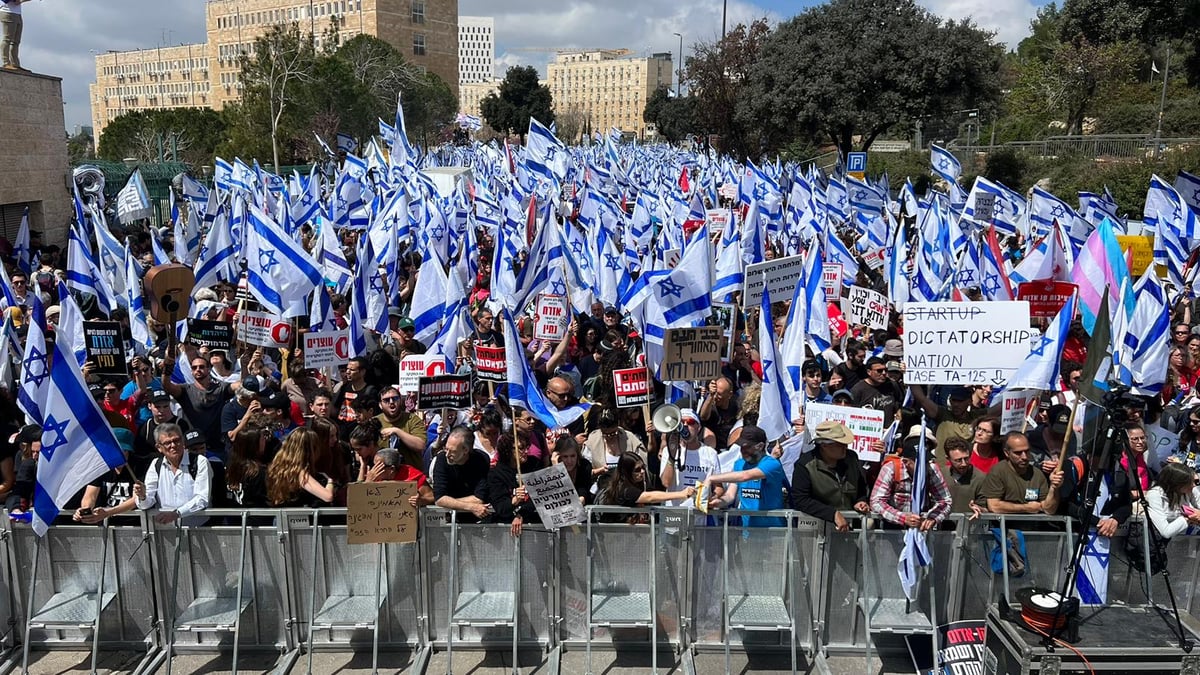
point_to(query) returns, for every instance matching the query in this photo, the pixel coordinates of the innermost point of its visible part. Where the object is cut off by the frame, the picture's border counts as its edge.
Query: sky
(62, 36)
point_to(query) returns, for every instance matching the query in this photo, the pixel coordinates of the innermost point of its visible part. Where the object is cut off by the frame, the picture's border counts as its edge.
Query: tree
(571, 123)
(429, 105)
(80, 147)
(280, 61)
(178, 135)
(382, 74)
(858, 68)
(520, 98)
(718, 73)
(1043, 34)
(674, 116)
(1069, 83)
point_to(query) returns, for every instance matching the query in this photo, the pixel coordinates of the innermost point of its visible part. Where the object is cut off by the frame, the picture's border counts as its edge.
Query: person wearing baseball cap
(687, 455)
(892, 498)
(830, 479)
(953, 419)
(756, 482)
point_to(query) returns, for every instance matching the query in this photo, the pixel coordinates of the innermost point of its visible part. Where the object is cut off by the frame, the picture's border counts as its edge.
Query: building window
(418, 12)
(418, 44)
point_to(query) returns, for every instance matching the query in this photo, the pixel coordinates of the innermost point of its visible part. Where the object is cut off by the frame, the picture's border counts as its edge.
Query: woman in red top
(1181, 375)
(985, 444)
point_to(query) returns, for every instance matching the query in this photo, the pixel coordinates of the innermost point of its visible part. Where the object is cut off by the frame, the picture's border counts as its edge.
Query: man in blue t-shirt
(759, 478)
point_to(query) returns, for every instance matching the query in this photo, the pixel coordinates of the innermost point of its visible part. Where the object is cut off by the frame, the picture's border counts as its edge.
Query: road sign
(856, 164)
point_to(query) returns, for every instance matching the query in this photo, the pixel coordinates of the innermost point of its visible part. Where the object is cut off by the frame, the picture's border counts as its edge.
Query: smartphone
(85, 512)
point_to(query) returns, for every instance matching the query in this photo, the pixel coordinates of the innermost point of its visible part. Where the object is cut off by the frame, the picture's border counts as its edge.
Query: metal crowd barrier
(286, 581)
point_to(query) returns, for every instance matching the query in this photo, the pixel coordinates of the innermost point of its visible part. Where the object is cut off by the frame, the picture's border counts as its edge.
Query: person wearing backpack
(179, 482)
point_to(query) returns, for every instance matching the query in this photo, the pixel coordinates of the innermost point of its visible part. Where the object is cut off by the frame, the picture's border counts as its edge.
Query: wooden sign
(692, 354)
(379, 513)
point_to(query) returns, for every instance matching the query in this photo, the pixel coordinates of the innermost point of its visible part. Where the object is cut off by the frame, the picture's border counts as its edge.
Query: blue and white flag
(429, 297)
(1008, 206)
(133, 201)
(915, 553)
(83, 276)
(35, 366)
(1040, 369)
(279, 272)
(21, 251)
(897, 269)
(1147, 343)
(346, 143)
(133, 302)
(216, 260)
(545, 155)
(70, 325)
(945, 164)
(78, 445)
(1091, 579)
(774, 408)
(523, 391)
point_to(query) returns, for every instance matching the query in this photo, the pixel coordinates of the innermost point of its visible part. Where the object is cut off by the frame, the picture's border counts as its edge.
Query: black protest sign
(105, 347)
(444, 391)
(216, 335)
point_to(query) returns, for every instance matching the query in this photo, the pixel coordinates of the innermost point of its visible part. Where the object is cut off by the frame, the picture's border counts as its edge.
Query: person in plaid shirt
(892, 494)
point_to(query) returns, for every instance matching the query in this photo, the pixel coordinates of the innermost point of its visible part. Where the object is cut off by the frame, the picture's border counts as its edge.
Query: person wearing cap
(756, 482)
(179, 482)
(28, 444)
(878, 391)
(203, 401)
(1015, 485)
(277, 408)
(1046, 440)
(893, 350)
(112, 493)
(830, 479)
(892, 497)
(953, 419)
(843, 398)
(144, 448)
(685, 458)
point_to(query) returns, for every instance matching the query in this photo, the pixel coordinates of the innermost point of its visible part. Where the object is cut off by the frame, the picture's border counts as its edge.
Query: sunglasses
(389, 399)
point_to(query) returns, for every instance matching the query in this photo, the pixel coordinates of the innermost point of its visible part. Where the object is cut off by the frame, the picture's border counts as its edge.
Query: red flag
(684, 183)
(531, 221)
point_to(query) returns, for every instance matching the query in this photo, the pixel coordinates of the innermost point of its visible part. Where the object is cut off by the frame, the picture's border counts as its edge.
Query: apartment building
(606, 86)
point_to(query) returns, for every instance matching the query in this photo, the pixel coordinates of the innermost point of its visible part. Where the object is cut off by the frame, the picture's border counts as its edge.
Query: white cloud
(1008, 18)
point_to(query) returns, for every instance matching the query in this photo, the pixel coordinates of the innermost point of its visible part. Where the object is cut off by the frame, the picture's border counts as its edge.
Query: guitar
(169, 290)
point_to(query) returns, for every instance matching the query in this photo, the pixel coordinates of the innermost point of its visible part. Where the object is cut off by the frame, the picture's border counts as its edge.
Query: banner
(866, 307)
(632, 387)
(444, 391)
(264, 330)
(553, 317)
(413, 368)
(216, 335)
(1045, 298)
(491, 364)
(782, 276)
(831, 280)
(717, 219)
(105, 347)
(328, 349)
(554, 496)
(379, 513)
(965, 342)
(866, 425)
(961, 646)
(1013, 407)
(691, 354)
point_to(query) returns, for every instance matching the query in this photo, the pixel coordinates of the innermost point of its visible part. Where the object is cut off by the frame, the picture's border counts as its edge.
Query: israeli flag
(523, 391)
(216, 260)
(1040, 369)
(774, 409)
(1091, 580)
(35, 367)
(193, 190)
(133, 201)
(545, 155)
(945, 164)
(346, 143)
(78, 445)
(70, 325)
(133, 301)
(915, 553)
(279, 272)
(21, 249)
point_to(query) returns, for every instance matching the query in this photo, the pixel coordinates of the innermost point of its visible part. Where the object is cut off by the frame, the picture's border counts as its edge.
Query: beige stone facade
(470, 95)
(609, 90)
(33, 156)
(425, 32)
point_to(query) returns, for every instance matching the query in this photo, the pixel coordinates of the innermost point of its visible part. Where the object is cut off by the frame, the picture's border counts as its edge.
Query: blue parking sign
(856, 162)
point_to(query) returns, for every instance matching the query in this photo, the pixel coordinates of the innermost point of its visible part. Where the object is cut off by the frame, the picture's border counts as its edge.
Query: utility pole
(679, 88)
(1162, 102)
(724, 13)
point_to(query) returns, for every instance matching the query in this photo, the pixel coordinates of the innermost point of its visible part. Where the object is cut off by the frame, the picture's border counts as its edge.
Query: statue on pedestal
(10, 39)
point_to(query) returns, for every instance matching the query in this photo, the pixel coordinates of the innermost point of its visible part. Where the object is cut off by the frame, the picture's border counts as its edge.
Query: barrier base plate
(348, 610)
(895, 615)
(625, 609)
(70, 609)
(477, 607)
(758, 611)
(211, 613)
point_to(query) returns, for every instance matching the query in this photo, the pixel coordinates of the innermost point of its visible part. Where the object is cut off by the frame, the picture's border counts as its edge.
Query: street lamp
(679, 89)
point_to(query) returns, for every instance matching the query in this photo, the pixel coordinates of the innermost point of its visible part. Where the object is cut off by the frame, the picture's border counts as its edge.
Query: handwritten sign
(985, 206)
(413, 368)
(1162, 444)
(216, 335)
(692, 354)
(1012, 411)
(105, 347)
(1141, 251)
(867, 308)
(781, 276)
(379, 513)
(831, 280)
(491, 364)
(328, 349)
(554, 496)
(965, 342)
(632, 387)
(264, 330)
(553, 315)
(444, 391)
(1045, 298)
(866, 425)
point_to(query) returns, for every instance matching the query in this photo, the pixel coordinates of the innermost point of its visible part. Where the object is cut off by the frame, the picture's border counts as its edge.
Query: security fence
(286, 581)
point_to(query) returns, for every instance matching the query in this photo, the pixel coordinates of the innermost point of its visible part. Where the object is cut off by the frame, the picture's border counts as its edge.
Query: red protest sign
(632, 387)
(1045, 297)
(837, 324)
(490, 364)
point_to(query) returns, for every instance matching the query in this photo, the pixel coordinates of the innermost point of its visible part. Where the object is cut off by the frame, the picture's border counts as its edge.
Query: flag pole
(1062, 454)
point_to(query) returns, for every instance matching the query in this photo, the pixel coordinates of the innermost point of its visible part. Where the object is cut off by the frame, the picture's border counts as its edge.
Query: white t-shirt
(10, 7)
(697, 465)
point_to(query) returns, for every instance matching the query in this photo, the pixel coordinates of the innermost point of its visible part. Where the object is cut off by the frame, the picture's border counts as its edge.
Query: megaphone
(666, 418)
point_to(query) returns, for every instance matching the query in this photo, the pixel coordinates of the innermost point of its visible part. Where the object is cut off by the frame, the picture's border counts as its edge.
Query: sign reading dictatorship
(965, 342)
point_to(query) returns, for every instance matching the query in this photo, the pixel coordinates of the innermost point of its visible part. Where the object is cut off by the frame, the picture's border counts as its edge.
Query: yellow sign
(1142, 249)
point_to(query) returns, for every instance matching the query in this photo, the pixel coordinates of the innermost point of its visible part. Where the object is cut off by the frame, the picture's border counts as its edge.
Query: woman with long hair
(1181, 376)
(1189, 440)
(506, 494)
(290, 479)
(1174, 500)
(628, 486)
(245, 472)
(364, 443)
(331, 450)
(566, 452)
(986, 448)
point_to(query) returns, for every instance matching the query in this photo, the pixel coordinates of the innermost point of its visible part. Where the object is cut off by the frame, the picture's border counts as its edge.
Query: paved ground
(465, 663)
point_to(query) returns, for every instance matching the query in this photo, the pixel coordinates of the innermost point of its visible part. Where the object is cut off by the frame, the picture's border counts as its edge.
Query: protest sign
(1013, 409)
(831, 281)
(1141, 251)
(691, 354)
(105, 347)
(866, 425)
(264, 330)
(554, 496)
(961, 646)
(985, 206)
(875, 259)
(216, 335)
(553, 315)
(1045, 298)
(717, 219)
(490, 364)
(866, 307)
(328, 349)
(781, 276)
(1161, 444)
(444, 391)
(965, 342)
(632, 387)
(413, 368)
(837, 324)
(379, 513)
(671, 257)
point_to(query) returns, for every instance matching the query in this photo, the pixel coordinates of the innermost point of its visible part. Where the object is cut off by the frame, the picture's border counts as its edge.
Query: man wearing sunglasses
(402, 430)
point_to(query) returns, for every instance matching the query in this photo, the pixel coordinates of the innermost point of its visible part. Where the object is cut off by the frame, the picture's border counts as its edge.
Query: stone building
(606, 88)
(33, 156)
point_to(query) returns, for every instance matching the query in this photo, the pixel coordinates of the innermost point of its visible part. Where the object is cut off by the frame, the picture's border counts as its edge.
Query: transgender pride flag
(1100, 264)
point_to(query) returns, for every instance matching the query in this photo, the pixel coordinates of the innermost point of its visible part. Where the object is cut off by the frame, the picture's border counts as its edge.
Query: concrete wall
(33, 152)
